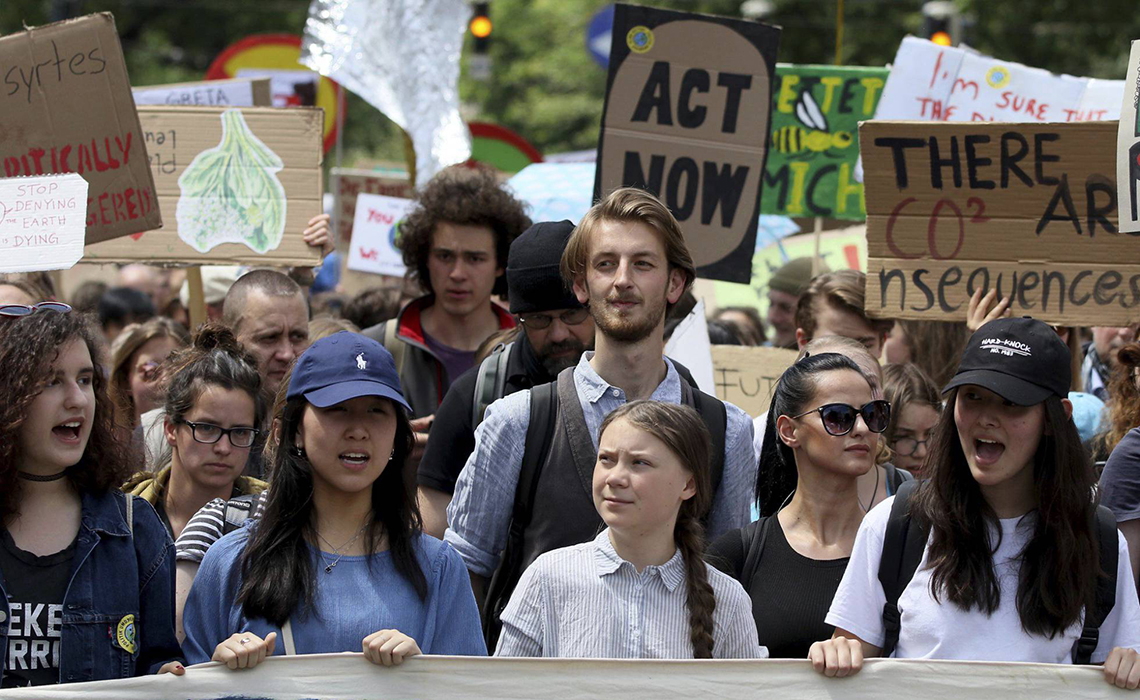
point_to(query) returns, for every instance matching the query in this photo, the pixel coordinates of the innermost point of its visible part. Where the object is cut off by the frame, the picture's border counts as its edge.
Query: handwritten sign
(42, 222)
(941, 83)
(745, 376)
(376, 226)
(67, 107)
(687, 117)
(815, 116)
(239, 92)
(205, 157)
(1128, 146)
(1028, 209)
(348, 184)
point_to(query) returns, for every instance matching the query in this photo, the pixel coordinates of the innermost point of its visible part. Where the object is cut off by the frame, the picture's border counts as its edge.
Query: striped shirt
(208, 525)
(585, 601)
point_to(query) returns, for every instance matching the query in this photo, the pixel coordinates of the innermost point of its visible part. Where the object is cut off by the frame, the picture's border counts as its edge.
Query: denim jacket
(118, 610)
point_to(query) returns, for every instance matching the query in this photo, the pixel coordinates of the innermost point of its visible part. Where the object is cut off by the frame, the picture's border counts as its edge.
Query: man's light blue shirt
(480, 511)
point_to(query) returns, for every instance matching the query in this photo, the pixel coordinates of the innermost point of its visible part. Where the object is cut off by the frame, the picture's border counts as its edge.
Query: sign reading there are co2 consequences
(1028, 209)
(374, 231)
(42, 222)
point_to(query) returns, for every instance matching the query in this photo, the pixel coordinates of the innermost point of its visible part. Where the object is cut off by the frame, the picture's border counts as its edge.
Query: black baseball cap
(1021, 360)
(345, 366)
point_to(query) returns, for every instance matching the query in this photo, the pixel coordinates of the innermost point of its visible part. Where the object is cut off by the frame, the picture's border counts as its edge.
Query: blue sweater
(351, 602)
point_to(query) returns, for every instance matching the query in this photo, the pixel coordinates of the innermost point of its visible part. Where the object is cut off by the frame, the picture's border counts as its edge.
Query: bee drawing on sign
(812, 136)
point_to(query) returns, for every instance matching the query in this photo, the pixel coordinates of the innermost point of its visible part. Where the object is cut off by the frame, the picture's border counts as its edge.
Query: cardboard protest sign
(348, 184)
(745, 376)
(238, 186)
(240, 92)
(67, 107)
(376, 229)
(815, 117)
(1128, 146)
(1028, 209)
(687, 117)
(42, 222)
(946, 83)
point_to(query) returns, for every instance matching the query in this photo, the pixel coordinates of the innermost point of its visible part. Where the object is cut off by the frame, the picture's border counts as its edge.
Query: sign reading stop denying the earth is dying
(1028, 209)
(687, 115)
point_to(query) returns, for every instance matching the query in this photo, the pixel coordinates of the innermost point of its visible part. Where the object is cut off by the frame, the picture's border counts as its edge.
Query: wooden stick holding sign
(197, 308)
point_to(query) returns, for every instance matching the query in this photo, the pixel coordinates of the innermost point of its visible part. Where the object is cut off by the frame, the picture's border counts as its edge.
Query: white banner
(1128, 147)
(344, 676)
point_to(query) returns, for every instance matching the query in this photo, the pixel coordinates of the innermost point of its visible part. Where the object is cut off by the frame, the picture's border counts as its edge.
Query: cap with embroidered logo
(345, 366)
(1021, 360)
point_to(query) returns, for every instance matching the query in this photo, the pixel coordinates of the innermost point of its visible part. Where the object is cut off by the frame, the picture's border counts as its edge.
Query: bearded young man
(627, 262)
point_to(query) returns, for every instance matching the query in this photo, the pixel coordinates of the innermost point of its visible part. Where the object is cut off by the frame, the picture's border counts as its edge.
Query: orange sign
(276, 56)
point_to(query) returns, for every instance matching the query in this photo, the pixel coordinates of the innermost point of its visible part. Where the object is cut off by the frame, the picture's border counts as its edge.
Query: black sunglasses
(17, 310)
(839, 418)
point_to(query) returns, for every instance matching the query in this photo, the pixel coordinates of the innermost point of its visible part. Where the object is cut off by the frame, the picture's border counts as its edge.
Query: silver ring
(244, 640)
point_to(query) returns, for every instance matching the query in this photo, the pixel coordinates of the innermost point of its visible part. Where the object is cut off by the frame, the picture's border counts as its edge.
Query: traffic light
(480, 27)
(941, 22)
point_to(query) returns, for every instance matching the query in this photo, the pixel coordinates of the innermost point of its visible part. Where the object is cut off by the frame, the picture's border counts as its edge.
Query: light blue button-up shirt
(586, 601)
(480, 511)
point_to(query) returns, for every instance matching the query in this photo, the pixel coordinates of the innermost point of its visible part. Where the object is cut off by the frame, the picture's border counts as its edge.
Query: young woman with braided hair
(651, 486)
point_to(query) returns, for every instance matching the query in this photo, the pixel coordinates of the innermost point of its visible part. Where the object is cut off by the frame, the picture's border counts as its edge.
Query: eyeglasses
(149, 371)
(839, 418)
(17, 310)
(907, 446)
(208, 433)
(540, 321)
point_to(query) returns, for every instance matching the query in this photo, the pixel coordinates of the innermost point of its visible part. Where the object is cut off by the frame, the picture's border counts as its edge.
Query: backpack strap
(903, 545)
(238, 510)
(895, 477)
(715, 416)
(393, 344)
(1107, 536)
(754, 548)
(490, 382)
(131, 514)
(539, 436)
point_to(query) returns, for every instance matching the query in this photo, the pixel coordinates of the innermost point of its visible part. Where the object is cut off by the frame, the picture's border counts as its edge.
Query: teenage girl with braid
(640, 589)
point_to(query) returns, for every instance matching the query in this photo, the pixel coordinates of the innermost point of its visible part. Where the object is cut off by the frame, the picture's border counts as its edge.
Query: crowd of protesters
(506, 462)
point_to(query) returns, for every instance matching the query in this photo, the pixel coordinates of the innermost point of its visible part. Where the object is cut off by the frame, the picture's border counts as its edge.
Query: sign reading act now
(1028, 209)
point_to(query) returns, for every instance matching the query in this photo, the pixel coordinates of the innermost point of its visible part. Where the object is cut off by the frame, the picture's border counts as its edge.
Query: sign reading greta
(687, 117)
(1028, 209)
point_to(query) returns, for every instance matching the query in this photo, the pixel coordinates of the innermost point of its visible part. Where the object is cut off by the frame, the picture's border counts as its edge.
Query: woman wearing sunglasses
(822, 435)
(86, 573)
(213, 403)
(1007, 558)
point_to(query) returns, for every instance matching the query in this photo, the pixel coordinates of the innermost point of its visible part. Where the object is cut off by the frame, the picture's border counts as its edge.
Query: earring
(298, 452)
(392, 455)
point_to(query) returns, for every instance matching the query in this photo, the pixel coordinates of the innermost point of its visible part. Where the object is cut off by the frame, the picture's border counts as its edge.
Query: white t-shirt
(931, 630)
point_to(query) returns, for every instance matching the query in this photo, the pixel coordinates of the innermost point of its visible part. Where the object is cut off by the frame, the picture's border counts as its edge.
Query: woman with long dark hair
(822, 436)
(1010, 568)
(651, 485)
(73, 550)
(338, 561)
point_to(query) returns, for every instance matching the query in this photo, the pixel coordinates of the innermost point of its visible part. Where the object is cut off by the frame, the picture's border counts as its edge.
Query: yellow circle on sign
(639, 39)
(997, 77)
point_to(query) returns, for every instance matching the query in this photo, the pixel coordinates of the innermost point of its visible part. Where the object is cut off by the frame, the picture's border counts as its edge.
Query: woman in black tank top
(822, 435)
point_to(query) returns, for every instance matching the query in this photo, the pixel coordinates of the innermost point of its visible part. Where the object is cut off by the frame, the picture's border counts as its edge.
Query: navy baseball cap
(1021, 360)
(345, 366)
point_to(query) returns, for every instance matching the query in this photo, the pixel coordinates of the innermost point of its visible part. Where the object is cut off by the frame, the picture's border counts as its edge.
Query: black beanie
(534, 281)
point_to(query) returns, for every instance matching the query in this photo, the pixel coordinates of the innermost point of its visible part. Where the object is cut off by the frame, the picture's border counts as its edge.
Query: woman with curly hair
(87, 573)
(1120, 480)
(455, 244)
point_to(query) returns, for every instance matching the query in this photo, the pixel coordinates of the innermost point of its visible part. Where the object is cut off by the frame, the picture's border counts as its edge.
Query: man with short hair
(832, 304)
(627, 262)
(455, 245)
(1100, 357)
(268, 313)
(556, 330)
(784, 288)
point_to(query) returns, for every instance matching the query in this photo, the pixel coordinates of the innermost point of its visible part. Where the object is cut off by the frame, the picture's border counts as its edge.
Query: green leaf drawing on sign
(231, 194)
